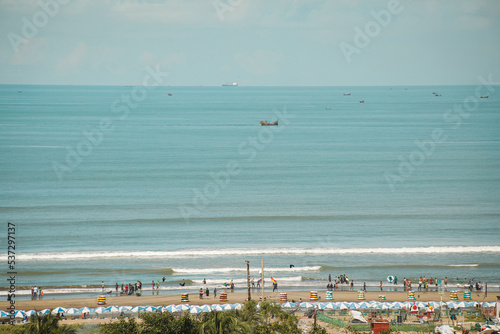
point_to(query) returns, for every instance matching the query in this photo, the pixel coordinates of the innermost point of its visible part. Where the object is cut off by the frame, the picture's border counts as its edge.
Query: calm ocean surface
(119, 184)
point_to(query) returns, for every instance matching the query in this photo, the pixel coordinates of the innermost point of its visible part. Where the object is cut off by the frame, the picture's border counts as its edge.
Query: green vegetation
(269, 319)
(47, 324)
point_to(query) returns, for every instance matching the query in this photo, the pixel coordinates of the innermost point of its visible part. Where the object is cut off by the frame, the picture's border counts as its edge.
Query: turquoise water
(122, 184)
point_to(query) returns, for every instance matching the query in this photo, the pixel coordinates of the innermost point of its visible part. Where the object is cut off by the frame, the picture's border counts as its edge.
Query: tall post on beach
(248, 279)
(262, 278)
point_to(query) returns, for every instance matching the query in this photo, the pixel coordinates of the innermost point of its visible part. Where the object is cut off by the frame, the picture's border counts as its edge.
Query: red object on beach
(414, 308)
(379, 325)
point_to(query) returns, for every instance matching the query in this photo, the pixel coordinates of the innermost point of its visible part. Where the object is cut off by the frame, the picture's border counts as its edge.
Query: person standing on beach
(381, 286)
(102, 286)
(352, 285)
(201, 293)
(116, 287)
(330, 278)
(215, 292)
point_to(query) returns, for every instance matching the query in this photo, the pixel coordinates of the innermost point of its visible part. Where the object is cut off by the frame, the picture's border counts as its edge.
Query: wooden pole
(248, 279)
(262, 278)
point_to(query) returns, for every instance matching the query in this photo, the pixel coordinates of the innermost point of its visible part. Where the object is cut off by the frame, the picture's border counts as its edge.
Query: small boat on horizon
(484, 97)
(347, 94)
(266, 123)
(233, 84)
(362, 101)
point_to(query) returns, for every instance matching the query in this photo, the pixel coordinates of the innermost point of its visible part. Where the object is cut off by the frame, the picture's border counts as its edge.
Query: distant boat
(347, 94)
(169, 94)
(266, 123)
(233, 84)
(19, 91)
(484, 97)
(362, 101)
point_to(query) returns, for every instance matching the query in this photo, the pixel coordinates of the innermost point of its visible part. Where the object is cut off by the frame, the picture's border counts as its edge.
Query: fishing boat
(266, 123)
(233, 84)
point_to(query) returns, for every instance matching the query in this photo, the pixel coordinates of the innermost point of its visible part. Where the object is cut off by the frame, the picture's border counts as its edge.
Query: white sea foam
(463, 265)
(197, 253)
(242, 269)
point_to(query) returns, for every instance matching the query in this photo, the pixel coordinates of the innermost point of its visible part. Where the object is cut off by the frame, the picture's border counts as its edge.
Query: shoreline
(235, 297)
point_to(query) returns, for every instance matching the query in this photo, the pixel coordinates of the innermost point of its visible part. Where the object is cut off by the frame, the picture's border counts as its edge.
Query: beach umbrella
(170, 308)
(85, 310)
(306, 305)
(206, 308)
(58, 310)
(385, 306)
(343, 306)
(217, 307)
(363, 305)
(288, 305)
(44, 311)
(183, 307)
(30, 313)
(137, 309)
(229, 307)
(194, 309)
(329, 306)
(149, 309)
(72, 311)
(4, 314)
(100, 310)
(236, 306)
(19, 314)
(124, 308)
(451, 304)
(112, 309)
(461, 304)
(421, 305)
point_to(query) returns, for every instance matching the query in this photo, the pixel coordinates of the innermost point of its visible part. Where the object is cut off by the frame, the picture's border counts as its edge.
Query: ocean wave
(199, 253)
(242, 269)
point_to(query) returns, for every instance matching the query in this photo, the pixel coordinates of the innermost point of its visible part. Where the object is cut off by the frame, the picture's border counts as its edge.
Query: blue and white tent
(59, 310)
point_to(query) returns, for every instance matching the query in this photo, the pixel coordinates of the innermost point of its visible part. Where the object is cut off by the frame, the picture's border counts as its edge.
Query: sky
(252, 42)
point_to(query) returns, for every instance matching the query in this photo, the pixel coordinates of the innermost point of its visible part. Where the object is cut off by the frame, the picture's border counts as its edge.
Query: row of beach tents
(195, 309)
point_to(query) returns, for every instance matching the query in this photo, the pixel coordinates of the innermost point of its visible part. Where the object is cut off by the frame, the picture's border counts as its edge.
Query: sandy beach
(157, 300)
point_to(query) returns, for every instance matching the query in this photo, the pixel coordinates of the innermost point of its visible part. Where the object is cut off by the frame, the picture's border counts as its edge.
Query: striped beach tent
(385, 306)
(86, 310)
(149, 309)
(289, 305)
(100, 310)
(30, 313)
(194, 309)
(4, 314)
(217, 307)
(72, 311)
(228, 307)
(19, 314)
(137, 309)
(330, 306)
(183, 307)
(124, 308)
(112, 309)
(59, 310)
(237, 306)
(206, 308)
(306, 305)
(44, 311)
(170, 308)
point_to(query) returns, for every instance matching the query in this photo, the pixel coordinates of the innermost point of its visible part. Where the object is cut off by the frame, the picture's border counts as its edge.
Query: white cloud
(33, 52)
(72, 62)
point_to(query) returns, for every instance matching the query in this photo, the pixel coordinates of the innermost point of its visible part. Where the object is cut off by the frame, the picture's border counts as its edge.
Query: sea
(119, 184)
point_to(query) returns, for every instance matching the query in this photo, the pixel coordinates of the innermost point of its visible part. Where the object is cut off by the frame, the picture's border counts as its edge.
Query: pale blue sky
(253, 42)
